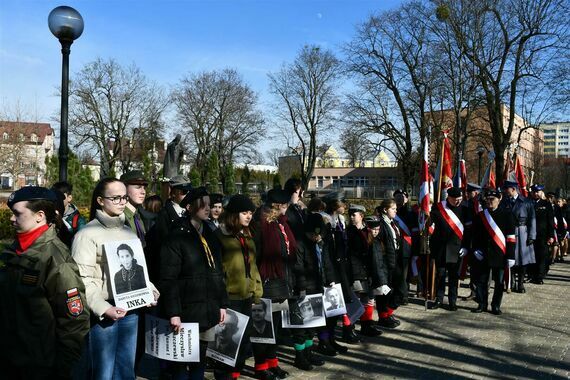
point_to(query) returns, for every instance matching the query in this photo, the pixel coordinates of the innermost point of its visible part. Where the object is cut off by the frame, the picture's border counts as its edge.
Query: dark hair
(230, 220)
(292, 185)
(195, 205)
(153, 204)
(316, 205)
(125, 247)
(63, 186)
(334, 205)
(386, 204)
(329, 291)
(99, 191)
(48, 207)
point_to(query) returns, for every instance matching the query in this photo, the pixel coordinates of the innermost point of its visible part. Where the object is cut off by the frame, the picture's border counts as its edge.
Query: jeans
(112, 346)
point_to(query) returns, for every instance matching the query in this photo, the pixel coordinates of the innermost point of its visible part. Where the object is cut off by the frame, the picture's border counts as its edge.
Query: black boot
(337, 347)
(279, 372)
(312, 358)
(369, 328)
(265, 375)
(349, 336)
(325, 348)
(301, 361)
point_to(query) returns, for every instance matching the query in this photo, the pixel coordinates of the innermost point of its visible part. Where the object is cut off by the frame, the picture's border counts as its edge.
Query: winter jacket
(358, 252)
(312, 273)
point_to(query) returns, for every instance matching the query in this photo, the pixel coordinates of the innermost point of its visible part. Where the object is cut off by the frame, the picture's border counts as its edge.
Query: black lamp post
(480, 150)
(67, 25)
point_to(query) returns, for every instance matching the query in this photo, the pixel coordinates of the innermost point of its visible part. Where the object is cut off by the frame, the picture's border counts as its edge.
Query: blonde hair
(272, 212)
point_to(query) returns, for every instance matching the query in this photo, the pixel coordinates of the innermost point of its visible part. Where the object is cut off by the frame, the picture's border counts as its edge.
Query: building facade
(24, 148)
(556, 139)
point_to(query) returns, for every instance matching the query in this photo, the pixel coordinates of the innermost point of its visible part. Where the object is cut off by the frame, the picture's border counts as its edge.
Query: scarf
(26, 239)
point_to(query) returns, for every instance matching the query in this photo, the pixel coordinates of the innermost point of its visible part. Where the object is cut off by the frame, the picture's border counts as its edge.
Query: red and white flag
(425, 186)
(521, 178)
(443, 173)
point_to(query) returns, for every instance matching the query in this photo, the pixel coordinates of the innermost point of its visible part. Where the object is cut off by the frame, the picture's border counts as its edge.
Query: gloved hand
(332, 284)
(384, 289)
(478, 254)
(302, 295)
(511, 263)
(463, 252)
(529, 242)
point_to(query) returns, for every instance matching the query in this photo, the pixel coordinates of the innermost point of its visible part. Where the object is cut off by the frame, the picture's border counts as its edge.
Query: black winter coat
(189, 287)
(444, 243)
(358, 253)
(308, 275)
(493, 257)
(296, 218)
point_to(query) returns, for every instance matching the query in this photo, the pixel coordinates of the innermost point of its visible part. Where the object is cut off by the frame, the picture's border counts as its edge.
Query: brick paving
(530, 340)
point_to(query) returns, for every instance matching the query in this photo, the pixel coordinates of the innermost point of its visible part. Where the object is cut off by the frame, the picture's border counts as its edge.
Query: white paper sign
(305, 313)
(161, 341)
(262, 323)
(227, 341)
(128, 274)
(334, 301)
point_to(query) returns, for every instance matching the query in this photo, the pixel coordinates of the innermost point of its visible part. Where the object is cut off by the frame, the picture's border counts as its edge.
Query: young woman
(561, 226)
(388, 250)
(216, 209)
(191, 277)
(243, 282)
(112, 339)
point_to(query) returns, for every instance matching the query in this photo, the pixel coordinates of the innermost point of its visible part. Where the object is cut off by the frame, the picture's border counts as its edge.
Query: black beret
(473, 187)
(239, 203)
(454, 192)
(134, 177)
(492, 193)
(401, 191)
(372, 221)
(192, 195)
(216, 198)
(31, 193)
(278, 196)
(314, 224)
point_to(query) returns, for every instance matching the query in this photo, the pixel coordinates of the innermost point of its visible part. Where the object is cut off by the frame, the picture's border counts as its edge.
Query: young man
(544, 233)
(136, 190)
(71, 216)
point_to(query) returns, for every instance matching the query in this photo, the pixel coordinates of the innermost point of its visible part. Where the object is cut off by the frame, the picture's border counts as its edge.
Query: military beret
(401, 191)
(314, 223)
(536, 187)
(279, 196)
(192, 195)
(216, 198)
(372, 221)
(31, 193)
(333, 196)
(473, 187)
(512, 184)
(180, 182)
(134, 177)
(355, 208)
(492, 193)
(239, 203)
(454, 192)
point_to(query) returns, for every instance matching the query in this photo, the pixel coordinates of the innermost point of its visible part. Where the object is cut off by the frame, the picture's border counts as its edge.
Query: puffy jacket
(358, 252)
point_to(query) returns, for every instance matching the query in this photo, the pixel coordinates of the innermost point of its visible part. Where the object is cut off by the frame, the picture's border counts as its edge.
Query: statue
(173, 157)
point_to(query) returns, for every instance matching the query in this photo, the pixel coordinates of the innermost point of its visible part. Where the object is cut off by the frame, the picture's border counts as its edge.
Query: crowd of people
(209, 256)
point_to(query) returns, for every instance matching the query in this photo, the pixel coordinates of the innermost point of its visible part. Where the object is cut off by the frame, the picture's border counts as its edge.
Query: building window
(21, 137)
(320, 183)
(34, 137)
(31, 180)
(5, 136)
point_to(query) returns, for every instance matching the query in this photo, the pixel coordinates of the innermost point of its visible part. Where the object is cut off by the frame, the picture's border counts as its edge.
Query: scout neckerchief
(209, 256)
(406, 234)
(26, 239)
(285, 238)
(451, 219)
(245, 253)
(495, 232)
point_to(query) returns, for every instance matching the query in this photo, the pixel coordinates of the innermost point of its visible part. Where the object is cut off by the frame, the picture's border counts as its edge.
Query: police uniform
(407, 221)
(43, 317)
(544, 232)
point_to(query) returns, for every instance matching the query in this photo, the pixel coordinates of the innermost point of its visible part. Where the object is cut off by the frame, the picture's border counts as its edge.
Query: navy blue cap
(454, 192)
(401, 191)
(31, 193)
(512, 184)
(473, 187)
(536, 187)
(372, 221)
(492, 193)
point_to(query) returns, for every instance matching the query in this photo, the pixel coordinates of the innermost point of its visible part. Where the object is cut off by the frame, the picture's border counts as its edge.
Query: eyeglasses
(117, 199)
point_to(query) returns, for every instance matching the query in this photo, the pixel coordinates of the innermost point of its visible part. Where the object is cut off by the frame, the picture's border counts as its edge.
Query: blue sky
(166, 39)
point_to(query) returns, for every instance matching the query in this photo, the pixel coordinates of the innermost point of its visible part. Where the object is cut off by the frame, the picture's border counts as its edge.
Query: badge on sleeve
(74, 303)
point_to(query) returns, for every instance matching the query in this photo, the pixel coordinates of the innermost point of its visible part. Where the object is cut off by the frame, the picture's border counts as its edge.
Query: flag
(488, 180)
(509, 171)
(460, 178)
(520, 177)
(443, 172)
(424, 194)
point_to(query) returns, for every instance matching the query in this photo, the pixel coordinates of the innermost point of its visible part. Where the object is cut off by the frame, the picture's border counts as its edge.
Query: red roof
(14, 128)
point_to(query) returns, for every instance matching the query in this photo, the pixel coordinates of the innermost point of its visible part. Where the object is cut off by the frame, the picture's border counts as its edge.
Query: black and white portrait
(304, 312)
(334, 301)
(131, 275)
(262, 323)
(227, 338)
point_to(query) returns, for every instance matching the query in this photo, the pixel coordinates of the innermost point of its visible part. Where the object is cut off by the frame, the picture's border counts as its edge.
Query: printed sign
(334, 301)
(228, 337)
(304, 312)
(163, 343)
(262, 323)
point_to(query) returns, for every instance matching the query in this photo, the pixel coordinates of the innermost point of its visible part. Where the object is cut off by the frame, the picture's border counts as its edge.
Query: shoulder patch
(74, 302)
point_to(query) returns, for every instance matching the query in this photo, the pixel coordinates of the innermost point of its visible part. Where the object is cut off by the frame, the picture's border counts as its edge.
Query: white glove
(478, 254)
(333, 284)
(384, 289)
(463, 252)
(511, 263)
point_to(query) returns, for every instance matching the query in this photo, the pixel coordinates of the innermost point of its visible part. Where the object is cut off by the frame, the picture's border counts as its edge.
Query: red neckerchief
(245, 253)
(26, 239)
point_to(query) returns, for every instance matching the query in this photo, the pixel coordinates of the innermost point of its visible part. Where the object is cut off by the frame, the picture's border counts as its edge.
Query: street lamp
(480, 150)
(67, 25)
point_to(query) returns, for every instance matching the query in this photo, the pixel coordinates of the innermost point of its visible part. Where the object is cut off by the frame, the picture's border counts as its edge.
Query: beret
(31, 193)
(279, 196)
(192, 195)
(537, 187)
(454, 192)
(473, 187)
(355, 208)
(239, 203)
(180, 182)
(510, 184)
(492, 193)
(314, 223)
(134, 177)
(372, 221)
(216, 198)
(401, 191)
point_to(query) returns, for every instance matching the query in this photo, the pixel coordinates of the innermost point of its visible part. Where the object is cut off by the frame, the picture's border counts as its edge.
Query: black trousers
(483, 289)
(451, 272)
(542, 255)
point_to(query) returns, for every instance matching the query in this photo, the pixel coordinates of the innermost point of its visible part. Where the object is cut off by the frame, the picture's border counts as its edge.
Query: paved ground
(529, 341)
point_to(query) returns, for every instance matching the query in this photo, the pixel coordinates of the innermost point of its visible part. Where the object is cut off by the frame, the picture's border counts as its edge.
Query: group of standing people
(207, 255)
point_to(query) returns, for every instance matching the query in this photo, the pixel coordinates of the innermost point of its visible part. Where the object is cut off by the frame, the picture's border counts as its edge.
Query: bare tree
(306, 94)
(110, 106)
(356, 146)
(273, 154)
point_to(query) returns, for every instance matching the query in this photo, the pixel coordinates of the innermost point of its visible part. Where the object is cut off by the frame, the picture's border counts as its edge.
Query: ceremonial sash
(406, 234)
(494, 231)
(477, 206)
(451, 219)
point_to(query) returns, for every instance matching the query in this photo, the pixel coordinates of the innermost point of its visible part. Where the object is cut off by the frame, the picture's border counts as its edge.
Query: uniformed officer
(43, 317)
(544, 233)
(474, 206)
(449, 243)
(523, 211)
(494, 248)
